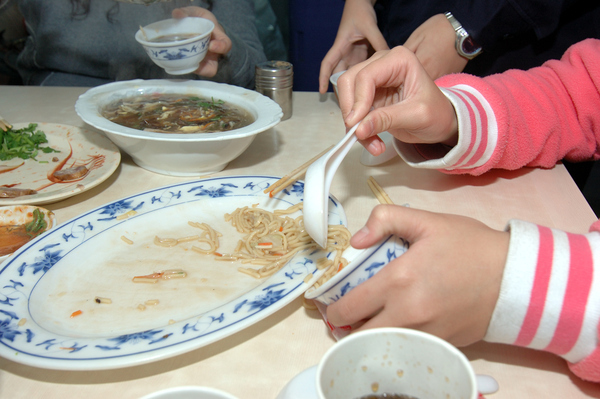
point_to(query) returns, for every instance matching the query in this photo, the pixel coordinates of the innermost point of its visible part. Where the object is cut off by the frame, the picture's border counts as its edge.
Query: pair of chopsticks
(4, 125)
(380, 194)
(293, 176)
(297, 173)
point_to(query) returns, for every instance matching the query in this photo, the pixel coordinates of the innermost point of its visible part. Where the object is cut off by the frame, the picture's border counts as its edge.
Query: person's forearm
(237, 67)
(490, 22)
(494, 112)
(550, 296)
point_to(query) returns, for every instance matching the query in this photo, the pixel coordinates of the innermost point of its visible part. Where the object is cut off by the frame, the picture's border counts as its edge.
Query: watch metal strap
(462, 38)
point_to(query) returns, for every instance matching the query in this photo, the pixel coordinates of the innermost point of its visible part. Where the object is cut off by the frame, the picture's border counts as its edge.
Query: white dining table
(258, 361)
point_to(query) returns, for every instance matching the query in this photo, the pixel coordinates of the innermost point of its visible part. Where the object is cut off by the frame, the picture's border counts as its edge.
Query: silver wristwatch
(464, 43)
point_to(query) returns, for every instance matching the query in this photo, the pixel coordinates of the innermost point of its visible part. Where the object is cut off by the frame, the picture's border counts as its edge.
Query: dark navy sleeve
(492, 22)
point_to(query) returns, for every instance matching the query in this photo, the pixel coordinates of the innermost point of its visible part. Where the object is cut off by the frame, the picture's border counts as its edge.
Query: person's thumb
(388, 220)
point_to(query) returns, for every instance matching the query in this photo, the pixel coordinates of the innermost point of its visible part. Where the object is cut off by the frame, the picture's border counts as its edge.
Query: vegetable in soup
(175, 113)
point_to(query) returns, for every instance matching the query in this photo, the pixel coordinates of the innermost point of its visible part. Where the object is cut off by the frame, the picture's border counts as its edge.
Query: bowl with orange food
(20, 224)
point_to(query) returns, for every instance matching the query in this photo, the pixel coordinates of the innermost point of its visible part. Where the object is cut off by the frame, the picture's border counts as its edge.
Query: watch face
(469, 47)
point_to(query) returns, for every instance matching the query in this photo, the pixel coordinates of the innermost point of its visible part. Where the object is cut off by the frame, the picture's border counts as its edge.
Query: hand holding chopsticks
(297, 173)
(293, 176)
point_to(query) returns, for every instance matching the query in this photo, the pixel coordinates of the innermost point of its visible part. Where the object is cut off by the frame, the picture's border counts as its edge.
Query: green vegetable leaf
(37, 225)
(23, 143)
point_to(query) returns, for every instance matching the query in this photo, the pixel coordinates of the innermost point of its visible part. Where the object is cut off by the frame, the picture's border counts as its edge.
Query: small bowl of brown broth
(20, 224)
(176, 45)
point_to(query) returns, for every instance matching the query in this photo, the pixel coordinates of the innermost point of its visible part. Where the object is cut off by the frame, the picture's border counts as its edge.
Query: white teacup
(176, 45)
(395, 361)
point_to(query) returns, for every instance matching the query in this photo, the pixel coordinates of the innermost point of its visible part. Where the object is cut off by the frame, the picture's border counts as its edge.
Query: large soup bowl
(191, 154)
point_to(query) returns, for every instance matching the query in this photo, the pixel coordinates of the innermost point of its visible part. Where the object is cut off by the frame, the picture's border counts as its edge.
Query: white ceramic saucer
(301, 386)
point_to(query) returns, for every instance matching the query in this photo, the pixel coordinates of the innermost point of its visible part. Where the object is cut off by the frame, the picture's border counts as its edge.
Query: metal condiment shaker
(274, 79)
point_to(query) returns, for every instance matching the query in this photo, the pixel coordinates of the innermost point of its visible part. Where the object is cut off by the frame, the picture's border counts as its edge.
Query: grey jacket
(99, 47)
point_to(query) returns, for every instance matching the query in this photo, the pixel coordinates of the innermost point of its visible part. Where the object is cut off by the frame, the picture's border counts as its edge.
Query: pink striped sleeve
(494, 112)
(539, 289)
(550, 295)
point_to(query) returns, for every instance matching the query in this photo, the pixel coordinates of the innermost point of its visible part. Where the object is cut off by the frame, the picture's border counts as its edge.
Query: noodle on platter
(271, 239)
(209, 236)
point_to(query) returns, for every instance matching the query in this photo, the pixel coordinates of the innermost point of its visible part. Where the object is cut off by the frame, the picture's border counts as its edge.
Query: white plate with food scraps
(93, 155)
(97, 254)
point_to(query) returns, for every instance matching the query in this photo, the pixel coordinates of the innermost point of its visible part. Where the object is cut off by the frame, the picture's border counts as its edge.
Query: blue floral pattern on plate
(23, 340)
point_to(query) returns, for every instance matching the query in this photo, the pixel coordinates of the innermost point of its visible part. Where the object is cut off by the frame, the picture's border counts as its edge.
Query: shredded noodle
(271, 239)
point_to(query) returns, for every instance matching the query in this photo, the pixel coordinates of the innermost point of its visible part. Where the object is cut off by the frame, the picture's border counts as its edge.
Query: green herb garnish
(214, 104)
(37, 225)
(23, 143)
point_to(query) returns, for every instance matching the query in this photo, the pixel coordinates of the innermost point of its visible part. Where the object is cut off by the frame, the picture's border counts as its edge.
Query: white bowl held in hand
(362, 265)
(176, 45)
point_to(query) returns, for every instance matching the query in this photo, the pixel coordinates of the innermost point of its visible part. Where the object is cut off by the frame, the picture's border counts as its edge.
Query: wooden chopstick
(294, 175)
(380, 194)
(4, 125)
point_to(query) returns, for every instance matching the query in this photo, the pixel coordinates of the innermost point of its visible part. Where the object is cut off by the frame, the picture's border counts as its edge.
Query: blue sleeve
(491, 22)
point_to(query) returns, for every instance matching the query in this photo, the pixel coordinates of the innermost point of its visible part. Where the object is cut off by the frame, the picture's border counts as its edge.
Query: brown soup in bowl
(175, 113)
(177, 37)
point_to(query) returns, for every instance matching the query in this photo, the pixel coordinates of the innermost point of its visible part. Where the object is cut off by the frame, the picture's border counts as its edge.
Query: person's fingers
(346, 90)
(384, 318)
(362, 302)
(220, 43)
(376, 39)
(345, 87)
(367, 303)
(331, 59)
(179, 13)
(193, 11)
(370, 78)
(403, 121)
(209, 65)
(365, 300)
(374, 145)
(367, 79)
(386, 220)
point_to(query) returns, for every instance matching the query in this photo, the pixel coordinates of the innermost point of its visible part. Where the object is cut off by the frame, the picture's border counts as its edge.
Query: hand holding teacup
(220, 43)
(192, 41)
